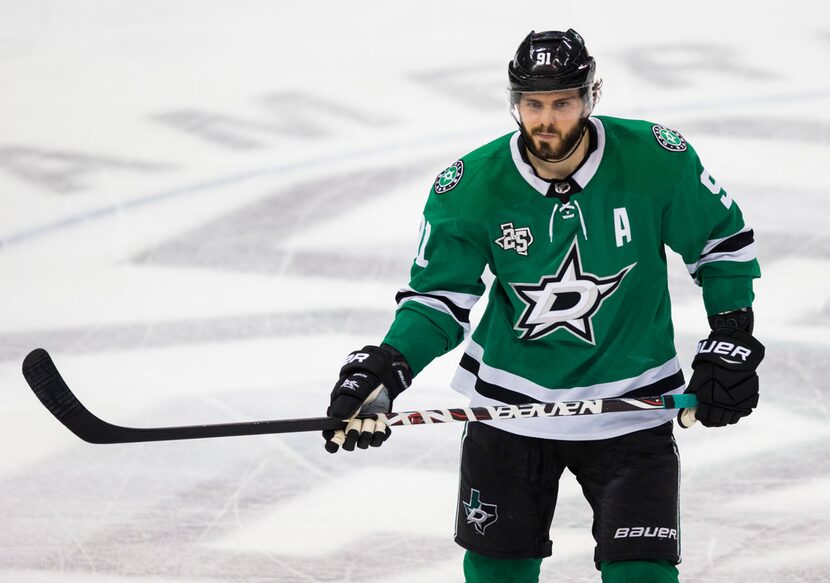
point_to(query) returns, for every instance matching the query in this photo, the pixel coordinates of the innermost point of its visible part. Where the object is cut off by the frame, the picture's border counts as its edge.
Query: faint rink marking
(79, 340)
(724, 550)
(141, 201)
(808, 94)
(288, 115)
(154, 523)
(250, 239)
(37, 166)
(748, 126)
(220, 182)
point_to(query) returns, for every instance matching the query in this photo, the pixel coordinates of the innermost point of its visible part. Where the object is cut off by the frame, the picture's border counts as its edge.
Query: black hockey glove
(724, 377)
(370, 380)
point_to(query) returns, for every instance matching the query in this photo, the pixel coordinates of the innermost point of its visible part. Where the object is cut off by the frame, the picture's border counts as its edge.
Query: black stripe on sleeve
(459, 313)
(734, 243)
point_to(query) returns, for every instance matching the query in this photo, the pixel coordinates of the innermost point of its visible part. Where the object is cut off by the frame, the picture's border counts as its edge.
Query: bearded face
(553, 122)
(551, 143)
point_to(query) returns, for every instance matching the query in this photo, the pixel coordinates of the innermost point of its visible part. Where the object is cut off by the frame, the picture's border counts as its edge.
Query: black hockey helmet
(551, 61)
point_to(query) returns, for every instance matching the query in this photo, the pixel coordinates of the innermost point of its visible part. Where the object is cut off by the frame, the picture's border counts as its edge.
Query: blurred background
(204, 205)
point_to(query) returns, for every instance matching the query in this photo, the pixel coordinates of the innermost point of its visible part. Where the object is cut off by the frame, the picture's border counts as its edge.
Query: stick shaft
(529, 410)
(43, 377)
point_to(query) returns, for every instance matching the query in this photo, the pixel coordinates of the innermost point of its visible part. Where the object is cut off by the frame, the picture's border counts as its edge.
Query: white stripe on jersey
(589, 168)
(544, 394)
(440, 306)
(576, 428)
(712, 243)
(743, 254)
(463, 301)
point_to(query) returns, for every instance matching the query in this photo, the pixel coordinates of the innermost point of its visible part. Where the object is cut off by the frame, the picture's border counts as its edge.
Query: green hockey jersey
(579, 305)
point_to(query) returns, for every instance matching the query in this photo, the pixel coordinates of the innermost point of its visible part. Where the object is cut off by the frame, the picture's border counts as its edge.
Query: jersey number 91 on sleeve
(715, 187)
(420, 259)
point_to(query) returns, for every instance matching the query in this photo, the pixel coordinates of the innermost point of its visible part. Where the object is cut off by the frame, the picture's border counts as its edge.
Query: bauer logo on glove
(725, 349)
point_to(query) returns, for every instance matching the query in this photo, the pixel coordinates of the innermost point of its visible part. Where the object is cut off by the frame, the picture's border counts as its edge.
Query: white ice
(205, 205)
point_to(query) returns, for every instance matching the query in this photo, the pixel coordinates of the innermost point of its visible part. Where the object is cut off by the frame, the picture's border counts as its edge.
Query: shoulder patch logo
(670, 139)
(449, 178)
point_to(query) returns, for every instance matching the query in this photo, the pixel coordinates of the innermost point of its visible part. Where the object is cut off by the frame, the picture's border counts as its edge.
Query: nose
(549, 116)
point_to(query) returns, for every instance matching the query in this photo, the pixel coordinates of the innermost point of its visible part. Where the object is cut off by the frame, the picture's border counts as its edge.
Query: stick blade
(44, 379)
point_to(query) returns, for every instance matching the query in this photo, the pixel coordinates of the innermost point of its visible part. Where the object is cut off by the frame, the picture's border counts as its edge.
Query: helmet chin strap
(530, 146)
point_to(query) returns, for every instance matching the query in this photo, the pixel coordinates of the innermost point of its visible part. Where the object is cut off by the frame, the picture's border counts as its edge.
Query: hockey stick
(48, 385)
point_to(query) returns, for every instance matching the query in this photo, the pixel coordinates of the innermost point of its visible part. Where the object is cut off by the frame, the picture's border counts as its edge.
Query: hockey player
(571, 214)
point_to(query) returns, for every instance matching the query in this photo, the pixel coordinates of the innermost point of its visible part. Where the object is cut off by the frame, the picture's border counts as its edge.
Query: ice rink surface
(206, 205)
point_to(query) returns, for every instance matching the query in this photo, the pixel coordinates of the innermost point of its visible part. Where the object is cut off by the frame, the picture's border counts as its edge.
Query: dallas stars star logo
(479, 514)
(566, 300)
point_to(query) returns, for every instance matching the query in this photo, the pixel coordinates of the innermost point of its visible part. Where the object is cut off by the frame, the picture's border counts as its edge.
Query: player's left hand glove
(370, 380)
(724, 377)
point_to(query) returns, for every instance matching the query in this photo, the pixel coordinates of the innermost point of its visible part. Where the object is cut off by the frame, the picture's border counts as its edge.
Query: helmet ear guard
(596, 92)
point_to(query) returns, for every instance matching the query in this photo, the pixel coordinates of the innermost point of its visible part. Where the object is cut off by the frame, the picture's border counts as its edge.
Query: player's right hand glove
(724, 377)
(370, 380)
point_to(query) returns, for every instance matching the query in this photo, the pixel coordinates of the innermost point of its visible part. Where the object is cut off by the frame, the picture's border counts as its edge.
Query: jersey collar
(583, 173)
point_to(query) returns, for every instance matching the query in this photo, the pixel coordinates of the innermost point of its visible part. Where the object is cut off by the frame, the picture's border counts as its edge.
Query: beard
(550, 152)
